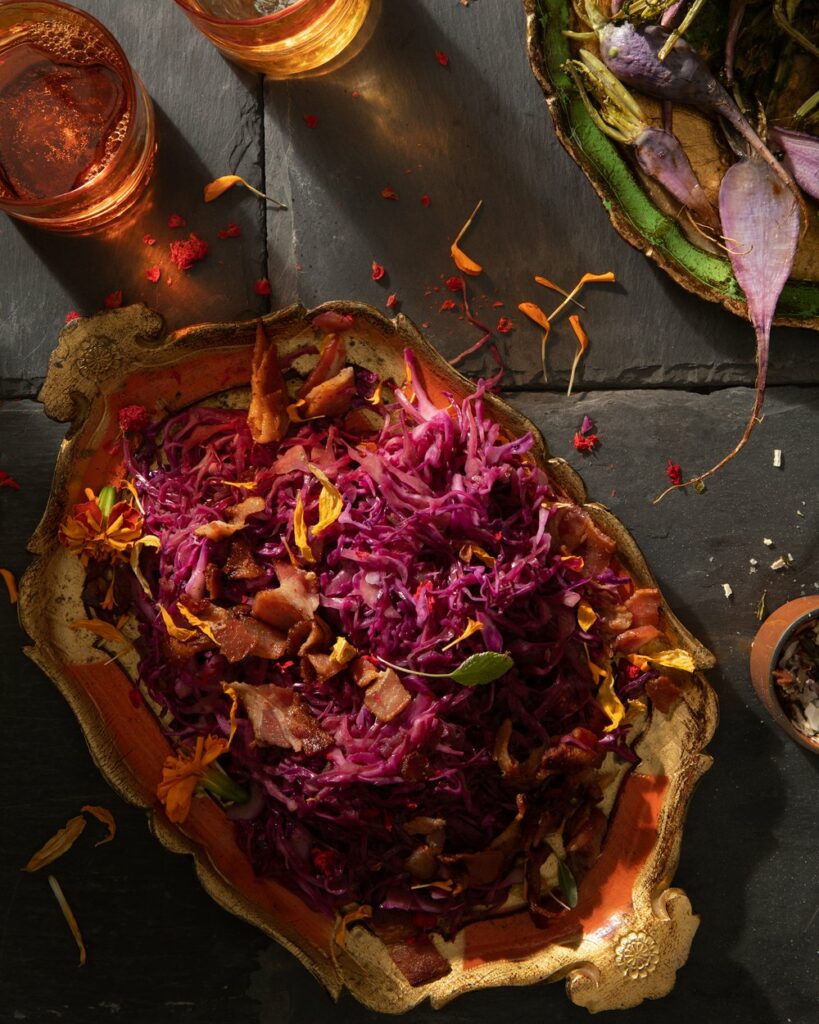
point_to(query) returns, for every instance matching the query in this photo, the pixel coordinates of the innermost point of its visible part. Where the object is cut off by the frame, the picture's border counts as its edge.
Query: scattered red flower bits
(133, 417)
(389, 193)
(355, 94)
(378, 271)
(455, 283)
(505, 325)
(425, 200)
(392, 301)
(114, 300)
(497, 304)
(8, 481)
(192, 250)
(587, 425)
(176, 221)
(673, 472)
(586, 444)
(231, 231)
(442, 57)
(262, 286)
(148, 240)
(153, 274)
(310, 120)
(73, 315)
(446, 305)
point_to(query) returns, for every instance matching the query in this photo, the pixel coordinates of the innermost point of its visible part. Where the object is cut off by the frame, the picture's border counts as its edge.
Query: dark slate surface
(160, 951)
(208, 124)
(478, 129)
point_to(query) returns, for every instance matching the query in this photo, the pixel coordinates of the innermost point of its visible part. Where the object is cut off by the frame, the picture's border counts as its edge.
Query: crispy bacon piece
(213, 581)
(663, 693)
(241, 636)
(412, 952)
(280, 719)
(237, 519)
(644, 605)
(296, 597)
(387, 697)
(177, 652)
(267, 416)
(364, 672)
(330, 361)
(616, 618)
(324, 666)
(240, 563)
(315, 637)
(568, 758)
(330, 398)
(575, 528)
(633, 639)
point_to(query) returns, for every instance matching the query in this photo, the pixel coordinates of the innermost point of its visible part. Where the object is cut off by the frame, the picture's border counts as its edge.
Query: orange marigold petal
(68, 914)
(60, 843)
(103, 815)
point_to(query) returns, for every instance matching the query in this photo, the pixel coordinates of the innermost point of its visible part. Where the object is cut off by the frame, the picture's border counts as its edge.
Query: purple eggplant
(800, 156)
(658, 152)
(632, 55)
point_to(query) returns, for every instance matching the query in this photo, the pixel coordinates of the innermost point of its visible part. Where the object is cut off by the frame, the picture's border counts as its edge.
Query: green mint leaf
(482, 668)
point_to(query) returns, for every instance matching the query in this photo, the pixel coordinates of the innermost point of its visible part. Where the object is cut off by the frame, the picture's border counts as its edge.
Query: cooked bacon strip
(634, 639)
(280, 719)
(663, 693)
(364, 672)
(296, 598)
(213, 581)
(616, 618)
(267, 416)
(387, 697)
(240, 563)
(330, 361)
(644, 605)
(240, 636)
(575, 528)
(330, 398)
(237, 519)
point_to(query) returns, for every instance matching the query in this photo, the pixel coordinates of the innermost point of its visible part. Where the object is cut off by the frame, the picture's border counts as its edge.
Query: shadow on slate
(480, 129)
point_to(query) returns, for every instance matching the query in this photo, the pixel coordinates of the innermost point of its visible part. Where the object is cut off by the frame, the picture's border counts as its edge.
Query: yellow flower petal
(104, 630)
(375, 397)
(234, 707)
(681, 660)
(143, 542)
(586, 616)
(103, 815)
(472, 626)
(330, 501)
(300, 532)
(177, 632)
(11, 584)
(68, 914)
(461, 260)
(469, 550)
(194, 620)
(60, 843)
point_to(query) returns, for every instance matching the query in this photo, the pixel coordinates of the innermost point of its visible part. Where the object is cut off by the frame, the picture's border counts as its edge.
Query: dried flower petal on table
(392, 301)
(587, 443)
(728, 590)
(72, 315)
(219, 186)
(388, 192)
(60, 843)
(103, 815)
(463, 262)
(262, 286)
(68, 914)
(176, 220)
(546, 283)
(148, 240)
(586, 425)
(455, 283)
(113, 300)
(446, 305)
(582, 346)
(425, 200)
(8, 481)
(505, 325)
(184, 254)
(153, 274)
(442, 57)
(536, 314)
(231, 231)
(674, 472)
(377, 272)
(311, 120)
(11, 584)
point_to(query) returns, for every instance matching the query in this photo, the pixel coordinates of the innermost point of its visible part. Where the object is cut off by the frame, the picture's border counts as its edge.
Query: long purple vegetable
(762, 221)
(800, 156)
(683, 77)
(658, 152)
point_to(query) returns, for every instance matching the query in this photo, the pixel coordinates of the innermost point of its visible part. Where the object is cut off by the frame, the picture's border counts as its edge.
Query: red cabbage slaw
(398, 578)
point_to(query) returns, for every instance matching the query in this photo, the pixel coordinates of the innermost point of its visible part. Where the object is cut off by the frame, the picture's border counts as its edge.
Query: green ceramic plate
(638, 209)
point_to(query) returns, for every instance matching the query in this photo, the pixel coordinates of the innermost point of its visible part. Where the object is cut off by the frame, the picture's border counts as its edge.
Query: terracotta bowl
(629, 932)
(766, 650)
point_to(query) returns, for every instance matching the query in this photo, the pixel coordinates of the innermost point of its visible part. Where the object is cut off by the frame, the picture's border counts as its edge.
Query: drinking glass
(77, 137)
(280, 38)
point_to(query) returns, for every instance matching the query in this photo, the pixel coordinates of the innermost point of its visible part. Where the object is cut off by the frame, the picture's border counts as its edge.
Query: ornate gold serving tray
(630, 931)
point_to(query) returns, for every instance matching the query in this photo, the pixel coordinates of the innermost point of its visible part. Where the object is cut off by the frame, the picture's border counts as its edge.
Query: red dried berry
(673, 472)
(455, 283)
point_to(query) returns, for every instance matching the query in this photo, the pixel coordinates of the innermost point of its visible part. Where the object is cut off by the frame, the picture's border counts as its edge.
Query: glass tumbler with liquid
(280, 38)
(77, 136)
